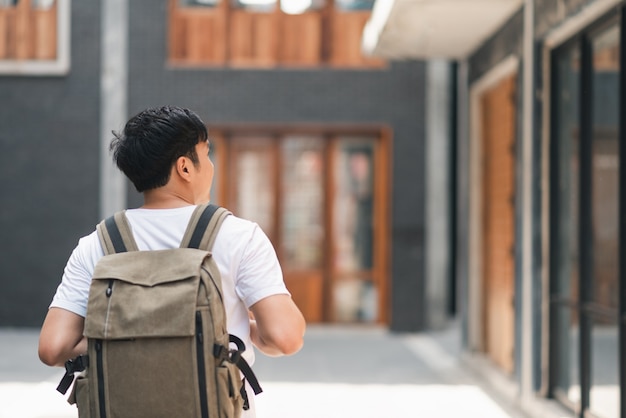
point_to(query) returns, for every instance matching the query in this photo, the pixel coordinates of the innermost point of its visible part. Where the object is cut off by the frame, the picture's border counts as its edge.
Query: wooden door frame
(219, 133)
(506, 68)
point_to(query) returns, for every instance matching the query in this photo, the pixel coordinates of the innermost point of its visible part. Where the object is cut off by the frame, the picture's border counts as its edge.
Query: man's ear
(183, 168)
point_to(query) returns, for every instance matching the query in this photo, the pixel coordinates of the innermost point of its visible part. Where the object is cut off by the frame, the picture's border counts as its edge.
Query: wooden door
(498, 222)
(278, 182)
(314, 196)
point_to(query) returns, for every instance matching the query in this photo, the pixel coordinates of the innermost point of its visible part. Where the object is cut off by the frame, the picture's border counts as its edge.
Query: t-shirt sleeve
(259, 274)
(73, 292)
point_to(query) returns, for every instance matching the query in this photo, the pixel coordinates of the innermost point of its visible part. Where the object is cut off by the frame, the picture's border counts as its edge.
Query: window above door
(268, 33)
(34, 37)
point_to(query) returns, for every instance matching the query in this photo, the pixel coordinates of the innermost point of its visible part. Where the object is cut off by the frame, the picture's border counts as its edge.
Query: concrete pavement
(342, 371)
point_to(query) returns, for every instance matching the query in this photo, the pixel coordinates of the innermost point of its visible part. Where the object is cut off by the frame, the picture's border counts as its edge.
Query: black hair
(153, 140)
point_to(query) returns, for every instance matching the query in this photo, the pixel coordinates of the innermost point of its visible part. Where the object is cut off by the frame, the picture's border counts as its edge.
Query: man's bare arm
(278, 326)
(61, 337)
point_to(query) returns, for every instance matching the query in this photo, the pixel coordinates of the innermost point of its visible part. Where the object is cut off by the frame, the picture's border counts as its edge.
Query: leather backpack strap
(203, 226)
(115, 234)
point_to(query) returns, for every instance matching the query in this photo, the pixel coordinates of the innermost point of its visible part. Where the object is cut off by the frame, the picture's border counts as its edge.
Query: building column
(113, 100)
(437, 204)
(461, 263)
(528, 166)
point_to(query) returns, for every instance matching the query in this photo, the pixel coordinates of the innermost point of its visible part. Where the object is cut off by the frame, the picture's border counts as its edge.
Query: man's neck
(163, 199)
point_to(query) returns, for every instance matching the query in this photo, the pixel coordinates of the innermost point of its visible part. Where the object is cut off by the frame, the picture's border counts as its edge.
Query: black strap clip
(234, 356)
(72, 366)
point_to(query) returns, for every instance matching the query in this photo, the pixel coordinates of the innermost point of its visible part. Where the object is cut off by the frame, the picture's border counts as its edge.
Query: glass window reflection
(302, 196)
(568, 197)
(605, 167)
(349, 5)
(354, 292)
(254, 193)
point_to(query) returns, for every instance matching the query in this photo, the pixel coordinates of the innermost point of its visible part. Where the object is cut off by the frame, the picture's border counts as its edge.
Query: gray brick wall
(48, 172)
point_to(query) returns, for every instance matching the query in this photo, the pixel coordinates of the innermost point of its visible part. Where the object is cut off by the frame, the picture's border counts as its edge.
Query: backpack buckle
(234, 356)
(72, 366)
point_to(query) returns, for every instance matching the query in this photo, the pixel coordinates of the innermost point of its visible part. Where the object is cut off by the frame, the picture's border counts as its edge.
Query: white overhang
(423, 29)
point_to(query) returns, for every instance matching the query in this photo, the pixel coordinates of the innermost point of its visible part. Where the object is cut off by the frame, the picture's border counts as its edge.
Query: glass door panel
(253, 174)
(302, 225)
(605, 168)
(302, 228)
(604, 373)
(566, 283)
(568, 258)
(604, 395)
(354, 290)
(568, 377)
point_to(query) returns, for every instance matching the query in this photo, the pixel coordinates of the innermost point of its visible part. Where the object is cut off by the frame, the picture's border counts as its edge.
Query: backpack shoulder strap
(115, 234)
(203, 226)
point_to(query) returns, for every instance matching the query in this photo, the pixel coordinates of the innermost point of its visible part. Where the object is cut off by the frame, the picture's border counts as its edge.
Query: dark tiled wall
(49, 135)
(506, 41)
(550, 13)
(393, 96)
(49, 172)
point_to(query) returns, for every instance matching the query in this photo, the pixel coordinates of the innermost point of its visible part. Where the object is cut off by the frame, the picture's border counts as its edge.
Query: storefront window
(604, 396)
(568, 248)
(586, 217)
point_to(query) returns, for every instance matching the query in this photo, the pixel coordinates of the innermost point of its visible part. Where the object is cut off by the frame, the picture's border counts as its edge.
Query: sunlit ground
(604, 399)
(296, 400)
(33, 400)
(347, 372)
(310, 400)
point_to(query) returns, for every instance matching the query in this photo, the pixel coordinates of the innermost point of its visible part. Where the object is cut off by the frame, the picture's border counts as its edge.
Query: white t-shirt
(244, 255)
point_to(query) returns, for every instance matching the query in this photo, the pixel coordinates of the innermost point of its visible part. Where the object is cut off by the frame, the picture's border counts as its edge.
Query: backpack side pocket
(229, 390)
(80, 397)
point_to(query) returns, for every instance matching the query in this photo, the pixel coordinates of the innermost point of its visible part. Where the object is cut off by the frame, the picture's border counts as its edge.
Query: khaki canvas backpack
(156, 330)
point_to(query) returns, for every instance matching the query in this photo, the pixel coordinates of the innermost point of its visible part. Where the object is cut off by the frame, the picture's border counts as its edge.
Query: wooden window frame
(327, 37)
(220, 134)
(60, 65)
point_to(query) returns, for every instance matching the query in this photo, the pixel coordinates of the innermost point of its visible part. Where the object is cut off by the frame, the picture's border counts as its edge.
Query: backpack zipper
(108, 293)
(100, 371)
(204, 408)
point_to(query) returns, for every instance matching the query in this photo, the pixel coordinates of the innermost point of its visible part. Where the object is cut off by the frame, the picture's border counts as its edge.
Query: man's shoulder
(238, 228)
(236, 223)
(240, 232)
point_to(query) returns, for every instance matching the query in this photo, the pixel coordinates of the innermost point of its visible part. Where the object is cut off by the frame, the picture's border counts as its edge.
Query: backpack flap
(144, 294)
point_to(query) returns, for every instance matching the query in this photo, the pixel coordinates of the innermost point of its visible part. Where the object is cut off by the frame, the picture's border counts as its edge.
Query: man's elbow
(49, 356)
(53, 352)
(290, 345)
(290, 342)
